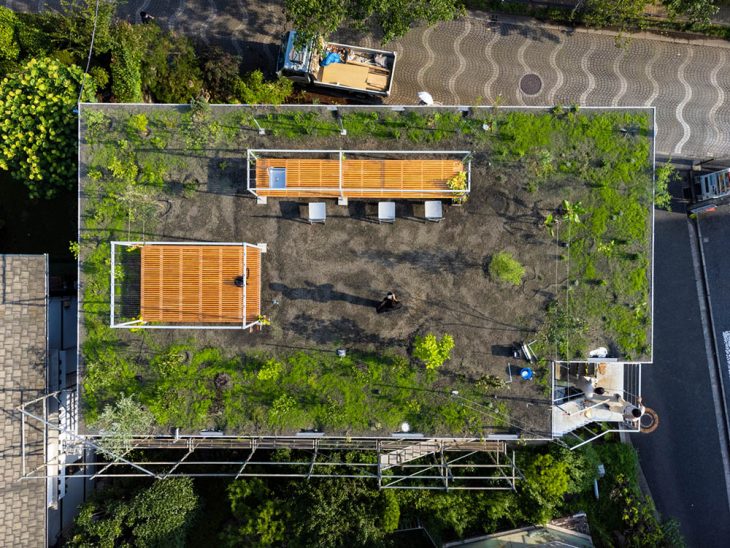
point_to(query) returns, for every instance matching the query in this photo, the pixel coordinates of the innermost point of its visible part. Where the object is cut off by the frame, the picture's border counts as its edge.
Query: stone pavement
(23, 375)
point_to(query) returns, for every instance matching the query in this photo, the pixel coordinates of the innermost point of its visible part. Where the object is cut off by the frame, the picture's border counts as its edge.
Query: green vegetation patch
(194, 388)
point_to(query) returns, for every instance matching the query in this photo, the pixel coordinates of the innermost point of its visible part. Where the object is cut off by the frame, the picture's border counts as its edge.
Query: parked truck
(339, 66)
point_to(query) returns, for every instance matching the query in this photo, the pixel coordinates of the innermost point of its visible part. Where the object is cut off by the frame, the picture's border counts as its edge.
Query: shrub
(120, 423)
(38, 124)
(137, 126)
(458, 182)
(221, 73)
(126, 64)
(431, 351)
(665, 174)
(170, 71)
(100, 76)
(253, 89)
(504, 268)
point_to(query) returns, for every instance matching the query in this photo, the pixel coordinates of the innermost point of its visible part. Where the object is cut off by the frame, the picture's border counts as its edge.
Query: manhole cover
(530, 84)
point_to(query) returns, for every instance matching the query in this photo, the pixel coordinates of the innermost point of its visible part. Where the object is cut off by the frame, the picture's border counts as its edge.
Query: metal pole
(85, 440)
(111, 274)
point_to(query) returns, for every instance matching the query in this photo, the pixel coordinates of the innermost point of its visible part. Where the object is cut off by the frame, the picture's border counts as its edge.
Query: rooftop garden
(552, 246)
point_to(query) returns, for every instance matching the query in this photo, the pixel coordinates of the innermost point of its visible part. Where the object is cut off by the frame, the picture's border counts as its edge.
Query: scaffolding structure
(402, 461)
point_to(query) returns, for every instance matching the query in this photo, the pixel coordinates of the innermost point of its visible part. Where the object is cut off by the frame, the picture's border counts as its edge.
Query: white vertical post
(342, 196)
(111, 310)
(22, 441)
(468, 176)
(245, 285)
(248, 170)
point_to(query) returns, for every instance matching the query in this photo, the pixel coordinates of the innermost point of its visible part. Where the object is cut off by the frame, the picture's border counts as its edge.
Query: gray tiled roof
(23, 374)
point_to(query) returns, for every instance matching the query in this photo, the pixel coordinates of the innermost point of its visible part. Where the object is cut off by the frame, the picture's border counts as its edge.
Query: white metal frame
(252, 154)
(141, 324)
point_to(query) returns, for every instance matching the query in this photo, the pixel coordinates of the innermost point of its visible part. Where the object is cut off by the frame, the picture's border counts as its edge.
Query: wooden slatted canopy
(190, 284)
(307, 177)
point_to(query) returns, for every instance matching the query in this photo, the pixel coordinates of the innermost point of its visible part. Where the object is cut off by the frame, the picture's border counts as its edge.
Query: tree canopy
(325, 513)
(389, 18)
(156, 516)
(38, 124)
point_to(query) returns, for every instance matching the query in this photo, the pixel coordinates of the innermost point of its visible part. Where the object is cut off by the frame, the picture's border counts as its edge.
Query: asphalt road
(682, 459)
(715, 233)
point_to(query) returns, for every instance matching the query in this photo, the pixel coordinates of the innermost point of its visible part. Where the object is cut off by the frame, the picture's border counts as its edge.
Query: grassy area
(194, 388)
(589, 176)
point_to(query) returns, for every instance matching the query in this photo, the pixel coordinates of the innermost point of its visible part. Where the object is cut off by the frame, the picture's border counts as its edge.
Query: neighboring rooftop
(569, 532)
(567, 195)
(23, 308)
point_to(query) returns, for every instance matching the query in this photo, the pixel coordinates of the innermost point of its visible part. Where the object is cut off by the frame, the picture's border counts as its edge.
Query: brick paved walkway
(23, 373)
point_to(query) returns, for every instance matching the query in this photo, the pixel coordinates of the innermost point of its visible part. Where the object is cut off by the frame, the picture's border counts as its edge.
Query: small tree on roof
(432, 351)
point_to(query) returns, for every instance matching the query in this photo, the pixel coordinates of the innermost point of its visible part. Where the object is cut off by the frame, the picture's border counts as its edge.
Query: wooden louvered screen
(196, 284)
(360, 178)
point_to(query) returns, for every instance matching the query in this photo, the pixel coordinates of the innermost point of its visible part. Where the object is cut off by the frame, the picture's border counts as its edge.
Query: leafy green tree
(546, 482)
(38, 124)
(392, 18)
(71, 29)
(162, 514)
(170, 67)
(260, 517)
(581, 466)
(9, 46)
(432, 351)
(624, 14)
(156, 516)
(120, 423)
(697, 11)
(343, 512)
(323, 513)
(221, 72)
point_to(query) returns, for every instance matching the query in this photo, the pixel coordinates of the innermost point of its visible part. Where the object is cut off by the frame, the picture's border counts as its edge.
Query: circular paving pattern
(530, 84)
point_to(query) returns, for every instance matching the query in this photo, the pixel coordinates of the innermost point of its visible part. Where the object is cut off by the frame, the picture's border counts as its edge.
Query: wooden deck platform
(395, 179)
(191, 284)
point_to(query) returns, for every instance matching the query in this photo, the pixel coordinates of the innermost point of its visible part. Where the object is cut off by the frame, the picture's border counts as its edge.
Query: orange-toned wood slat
(196, 284)
(360, 178)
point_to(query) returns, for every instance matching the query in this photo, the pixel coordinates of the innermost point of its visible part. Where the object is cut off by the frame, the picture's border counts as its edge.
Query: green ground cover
(590, 170)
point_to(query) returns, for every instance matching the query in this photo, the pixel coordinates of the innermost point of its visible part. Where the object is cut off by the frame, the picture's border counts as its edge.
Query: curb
(497, 19)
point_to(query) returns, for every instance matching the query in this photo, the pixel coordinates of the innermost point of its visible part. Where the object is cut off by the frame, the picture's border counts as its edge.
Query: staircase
(401, 454)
